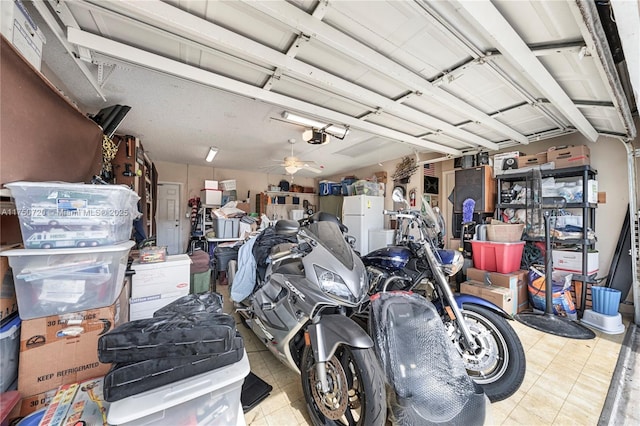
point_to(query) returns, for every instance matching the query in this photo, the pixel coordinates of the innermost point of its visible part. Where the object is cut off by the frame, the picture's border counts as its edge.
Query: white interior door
(168, 218)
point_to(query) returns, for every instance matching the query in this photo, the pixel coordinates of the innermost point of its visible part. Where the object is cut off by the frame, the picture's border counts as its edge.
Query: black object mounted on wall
(109, 118)
(431, 184)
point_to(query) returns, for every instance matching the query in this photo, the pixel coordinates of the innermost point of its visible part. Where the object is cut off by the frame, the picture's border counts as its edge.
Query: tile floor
(566, 382)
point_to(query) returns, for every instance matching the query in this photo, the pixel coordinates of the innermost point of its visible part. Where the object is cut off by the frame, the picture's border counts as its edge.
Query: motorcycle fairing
(394, 257)
(333, 330)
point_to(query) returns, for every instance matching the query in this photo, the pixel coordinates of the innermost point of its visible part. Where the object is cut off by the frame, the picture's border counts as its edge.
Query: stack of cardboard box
(508, 291)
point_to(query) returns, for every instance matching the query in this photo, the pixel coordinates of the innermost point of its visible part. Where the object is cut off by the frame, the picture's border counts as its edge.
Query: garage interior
(305, 93)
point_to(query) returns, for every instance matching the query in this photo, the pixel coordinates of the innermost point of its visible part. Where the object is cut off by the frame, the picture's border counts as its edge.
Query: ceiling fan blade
(312, 169)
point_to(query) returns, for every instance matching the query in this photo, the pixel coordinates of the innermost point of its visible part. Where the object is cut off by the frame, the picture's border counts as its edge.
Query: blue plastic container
(606, 300)
(345, 185)
(32, 419)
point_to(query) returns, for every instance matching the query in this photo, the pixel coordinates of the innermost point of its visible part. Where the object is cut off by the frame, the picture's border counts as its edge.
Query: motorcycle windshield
(328, 234)
(430, 216)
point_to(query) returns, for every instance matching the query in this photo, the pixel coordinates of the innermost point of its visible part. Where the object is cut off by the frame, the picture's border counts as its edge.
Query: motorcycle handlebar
(401, 214)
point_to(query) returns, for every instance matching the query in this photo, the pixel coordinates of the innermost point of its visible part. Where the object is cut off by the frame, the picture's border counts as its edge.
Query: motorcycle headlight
(453, 263)
(333, 284)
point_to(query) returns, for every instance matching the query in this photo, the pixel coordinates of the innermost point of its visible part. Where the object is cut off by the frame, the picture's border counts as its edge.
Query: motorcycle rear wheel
(499, 364)
(357, 392)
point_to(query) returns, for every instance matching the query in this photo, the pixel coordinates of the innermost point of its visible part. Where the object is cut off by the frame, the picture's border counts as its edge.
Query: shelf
(558, 173)
(568, 206)
(580, 241)
(295, 194)
(588, 210)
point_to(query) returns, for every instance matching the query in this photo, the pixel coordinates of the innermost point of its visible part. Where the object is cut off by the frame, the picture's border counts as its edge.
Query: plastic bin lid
(9, 326)
(68, 185)
(73, 250)
(170, 395)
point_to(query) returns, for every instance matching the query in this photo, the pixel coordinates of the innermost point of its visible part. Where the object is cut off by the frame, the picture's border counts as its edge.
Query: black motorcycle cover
(421, 365)
(203, 303)
(185, 335)
(126, 379)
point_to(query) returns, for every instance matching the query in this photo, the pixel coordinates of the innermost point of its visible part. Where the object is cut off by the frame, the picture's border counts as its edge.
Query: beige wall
(608, 157)
(192, 178)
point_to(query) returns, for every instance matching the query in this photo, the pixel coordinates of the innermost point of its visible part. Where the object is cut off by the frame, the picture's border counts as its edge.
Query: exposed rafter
(152, 61)
(174, 20)
(488, 18)
(302, 22)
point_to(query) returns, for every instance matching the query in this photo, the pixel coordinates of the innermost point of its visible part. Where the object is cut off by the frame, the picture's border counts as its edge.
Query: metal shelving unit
(587, 210)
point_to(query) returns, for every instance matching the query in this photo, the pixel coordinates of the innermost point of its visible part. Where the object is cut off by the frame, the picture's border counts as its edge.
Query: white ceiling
(441, 77)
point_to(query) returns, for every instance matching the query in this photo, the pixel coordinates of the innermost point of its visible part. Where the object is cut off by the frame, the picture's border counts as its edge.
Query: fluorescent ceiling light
(212, 153)
(337, 131)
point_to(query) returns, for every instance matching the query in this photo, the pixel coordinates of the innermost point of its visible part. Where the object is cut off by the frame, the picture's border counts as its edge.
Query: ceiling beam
(301, 21)
(169, 66)
(486, 17)
(176, 21)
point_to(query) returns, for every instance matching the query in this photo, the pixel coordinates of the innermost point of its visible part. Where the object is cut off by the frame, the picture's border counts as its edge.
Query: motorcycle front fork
(447, 295)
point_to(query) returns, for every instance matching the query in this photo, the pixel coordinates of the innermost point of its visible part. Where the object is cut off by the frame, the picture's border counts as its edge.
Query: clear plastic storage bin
(59, 281)
(59, 214)
(208, 399)
(9, 352)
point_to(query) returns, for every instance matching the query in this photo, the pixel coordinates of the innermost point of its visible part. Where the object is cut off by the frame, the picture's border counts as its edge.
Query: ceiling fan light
(291, 169)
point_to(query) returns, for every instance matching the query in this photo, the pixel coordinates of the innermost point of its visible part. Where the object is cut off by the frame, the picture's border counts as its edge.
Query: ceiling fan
(293, 164)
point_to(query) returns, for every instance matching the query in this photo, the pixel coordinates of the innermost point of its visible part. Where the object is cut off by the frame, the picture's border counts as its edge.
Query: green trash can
(200, 282)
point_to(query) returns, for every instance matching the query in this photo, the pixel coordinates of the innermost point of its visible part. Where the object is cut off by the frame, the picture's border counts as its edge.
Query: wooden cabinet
(132, 167)
(478, 185)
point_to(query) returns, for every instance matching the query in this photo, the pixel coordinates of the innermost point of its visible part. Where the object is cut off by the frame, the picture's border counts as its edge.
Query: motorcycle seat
(287, 227)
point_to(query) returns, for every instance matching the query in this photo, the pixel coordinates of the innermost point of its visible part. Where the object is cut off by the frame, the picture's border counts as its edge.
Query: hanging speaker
(510, 163)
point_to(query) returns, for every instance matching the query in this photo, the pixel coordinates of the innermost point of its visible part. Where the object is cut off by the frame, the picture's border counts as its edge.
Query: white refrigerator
(361, 213)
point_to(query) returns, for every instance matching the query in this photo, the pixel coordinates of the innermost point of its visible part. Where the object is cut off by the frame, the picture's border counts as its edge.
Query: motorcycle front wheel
(499, 363)
(356, 388)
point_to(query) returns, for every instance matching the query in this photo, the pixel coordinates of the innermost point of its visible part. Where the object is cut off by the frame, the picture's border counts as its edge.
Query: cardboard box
(62, 349)
(498, 161)
(32, 403)
(515, 281)
(211, 197)
(245, 207)
(571, 261)
(210, 184)
(532, 160)
(499, 296)
(8, 302)
(77, 404)
(602, 197)
(569, 156)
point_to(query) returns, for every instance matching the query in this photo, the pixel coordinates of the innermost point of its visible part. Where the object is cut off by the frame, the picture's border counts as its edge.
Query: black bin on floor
(221, 257)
